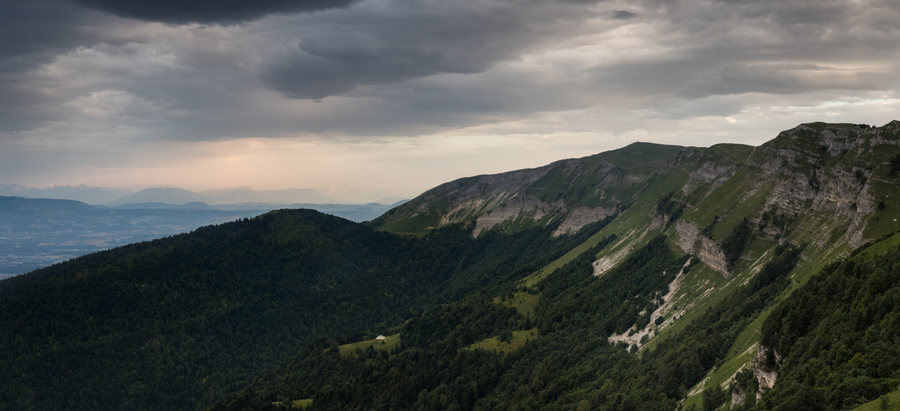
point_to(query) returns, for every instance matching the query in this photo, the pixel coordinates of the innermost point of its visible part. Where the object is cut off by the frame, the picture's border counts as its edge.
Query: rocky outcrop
(461, 201)
(799, 164)
(515, 208)
(765, 378)
(711, 174)
(692, 241)
(581, 216)
(737, 397)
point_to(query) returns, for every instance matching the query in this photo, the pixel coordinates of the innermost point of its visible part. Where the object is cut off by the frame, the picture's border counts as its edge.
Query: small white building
(381, 338)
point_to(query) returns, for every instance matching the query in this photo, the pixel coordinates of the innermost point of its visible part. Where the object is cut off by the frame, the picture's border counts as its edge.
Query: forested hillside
(567, 361)
(179, 322)
(836, 342)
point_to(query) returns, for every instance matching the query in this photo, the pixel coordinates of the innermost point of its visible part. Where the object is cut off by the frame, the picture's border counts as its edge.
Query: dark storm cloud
(33, 33)
(208, 11)
(411, 41)
(319, 70)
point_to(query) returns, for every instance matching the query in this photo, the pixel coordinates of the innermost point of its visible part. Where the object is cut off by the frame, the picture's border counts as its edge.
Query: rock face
(737, 397)
(691, 241)
(765, 378)
(826, 169)
(709, 175)
(816, 183)
(581, 216)
(516, 207)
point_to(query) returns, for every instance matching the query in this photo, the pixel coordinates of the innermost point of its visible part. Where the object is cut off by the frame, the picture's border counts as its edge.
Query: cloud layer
(100, 79)
(209, 11)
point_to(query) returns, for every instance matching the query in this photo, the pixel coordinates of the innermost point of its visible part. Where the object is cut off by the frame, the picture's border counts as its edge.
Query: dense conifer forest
(179, 322)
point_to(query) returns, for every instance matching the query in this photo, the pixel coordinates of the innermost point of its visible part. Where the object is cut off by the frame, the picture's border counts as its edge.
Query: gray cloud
(623, 15)
(735, 47)
(33, 33)
(413, 40)
(209, 11)
(707, 48)
(408, 67)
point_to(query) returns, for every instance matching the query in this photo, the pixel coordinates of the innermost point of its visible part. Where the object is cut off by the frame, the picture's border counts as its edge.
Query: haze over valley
(51, 226)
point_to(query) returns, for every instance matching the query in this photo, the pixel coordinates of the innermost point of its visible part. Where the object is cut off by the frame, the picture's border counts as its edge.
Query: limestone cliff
(691, 241)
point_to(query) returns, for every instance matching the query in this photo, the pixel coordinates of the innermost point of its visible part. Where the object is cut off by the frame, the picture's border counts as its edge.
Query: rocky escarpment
(692, 241)
(459, 201)
(517, 207)
(581, 216)
(829, 171)
(709, 168)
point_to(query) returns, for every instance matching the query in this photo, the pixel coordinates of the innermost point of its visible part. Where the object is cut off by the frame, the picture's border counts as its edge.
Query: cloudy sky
(367, 98)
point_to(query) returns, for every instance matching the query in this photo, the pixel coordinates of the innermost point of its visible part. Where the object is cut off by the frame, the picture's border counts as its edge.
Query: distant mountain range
(176, 196)
(83, 193)
(172, 195)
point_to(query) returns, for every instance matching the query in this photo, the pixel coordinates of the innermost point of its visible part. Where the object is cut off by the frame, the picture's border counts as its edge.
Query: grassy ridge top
(639, 158)
(605, 180)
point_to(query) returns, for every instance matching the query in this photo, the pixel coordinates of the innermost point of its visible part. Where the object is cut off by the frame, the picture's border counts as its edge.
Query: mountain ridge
(664, 302)
(756, 219)
(492, 200)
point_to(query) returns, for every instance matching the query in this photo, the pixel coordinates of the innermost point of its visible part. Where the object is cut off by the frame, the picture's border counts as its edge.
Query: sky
(362, 99)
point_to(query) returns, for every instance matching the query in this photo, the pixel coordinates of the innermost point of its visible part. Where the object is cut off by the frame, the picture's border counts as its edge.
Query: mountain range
(646, 278)
(175, 196)
(239, 195)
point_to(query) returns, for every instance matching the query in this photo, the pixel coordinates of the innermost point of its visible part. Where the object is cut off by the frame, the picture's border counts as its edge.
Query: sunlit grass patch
(523, 302)
(388, 344)
(295, 405)
(518, 340)
(889, 401)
